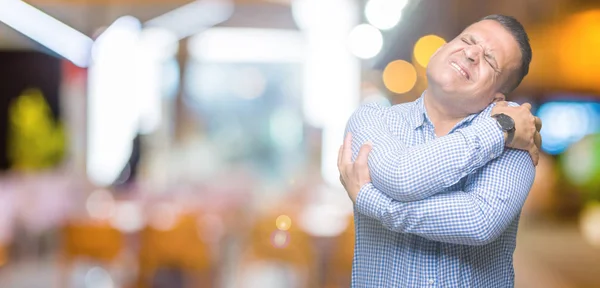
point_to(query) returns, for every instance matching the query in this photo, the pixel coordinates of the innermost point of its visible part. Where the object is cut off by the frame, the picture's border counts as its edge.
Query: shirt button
(431, 281)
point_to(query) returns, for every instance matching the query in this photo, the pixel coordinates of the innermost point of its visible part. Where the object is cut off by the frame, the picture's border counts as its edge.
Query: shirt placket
(431, 246)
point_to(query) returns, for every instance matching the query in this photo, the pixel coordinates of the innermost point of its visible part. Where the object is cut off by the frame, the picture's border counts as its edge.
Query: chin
(445, 83)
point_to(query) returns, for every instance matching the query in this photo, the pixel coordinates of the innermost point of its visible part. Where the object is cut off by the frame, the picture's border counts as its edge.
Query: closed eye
(490, 60)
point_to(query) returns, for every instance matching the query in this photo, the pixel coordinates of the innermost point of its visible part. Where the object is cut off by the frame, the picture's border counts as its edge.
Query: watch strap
(510, 135)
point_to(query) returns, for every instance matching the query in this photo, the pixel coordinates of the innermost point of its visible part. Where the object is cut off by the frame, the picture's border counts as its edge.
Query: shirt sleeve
(417, 172)
(493, 197)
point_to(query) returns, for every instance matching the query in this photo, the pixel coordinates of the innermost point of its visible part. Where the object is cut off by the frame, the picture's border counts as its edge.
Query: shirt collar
(419, 115)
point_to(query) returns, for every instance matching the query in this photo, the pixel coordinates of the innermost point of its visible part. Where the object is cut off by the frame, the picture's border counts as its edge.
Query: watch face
(506, 122)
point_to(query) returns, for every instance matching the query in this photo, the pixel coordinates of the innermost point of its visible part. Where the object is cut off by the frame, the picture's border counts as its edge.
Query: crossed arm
(417, 172)
(406, 199)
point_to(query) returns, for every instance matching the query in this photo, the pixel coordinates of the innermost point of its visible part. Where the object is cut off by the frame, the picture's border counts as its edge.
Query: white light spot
(384, 14)
(365, 41)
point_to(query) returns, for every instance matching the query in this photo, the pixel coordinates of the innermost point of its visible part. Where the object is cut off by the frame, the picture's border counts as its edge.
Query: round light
(425, 47)
(588, 223)
(581, 163)
(100, 204)
(128, 217)
(280, 239)
(384, 14)
(98, 277)
(365, 41)
(399, 76)
(283, 222)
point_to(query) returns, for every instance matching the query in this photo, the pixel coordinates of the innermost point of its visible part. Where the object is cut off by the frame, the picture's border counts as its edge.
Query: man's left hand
(353, 175)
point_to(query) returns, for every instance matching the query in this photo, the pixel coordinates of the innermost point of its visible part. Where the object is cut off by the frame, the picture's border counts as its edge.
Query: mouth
(460, 70)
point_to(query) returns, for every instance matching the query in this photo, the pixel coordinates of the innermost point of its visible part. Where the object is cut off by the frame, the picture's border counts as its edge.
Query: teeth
(459, 69)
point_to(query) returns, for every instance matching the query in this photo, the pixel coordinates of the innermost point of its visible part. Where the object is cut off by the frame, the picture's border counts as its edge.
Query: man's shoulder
(404, 108)
(488, 111)
(377, 114)
(381, 111)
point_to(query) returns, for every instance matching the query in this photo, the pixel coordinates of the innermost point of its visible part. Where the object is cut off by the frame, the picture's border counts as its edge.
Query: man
(438, 203)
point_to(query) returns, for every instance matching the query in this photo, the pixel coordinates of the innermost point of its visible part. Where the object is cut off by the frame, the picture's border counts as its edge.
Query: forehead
(497, 39)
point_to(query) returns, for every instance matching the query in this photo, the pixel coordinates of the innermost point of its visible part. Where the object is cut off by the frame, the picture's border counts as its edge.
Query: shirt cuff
(371, 202)
(487, 137)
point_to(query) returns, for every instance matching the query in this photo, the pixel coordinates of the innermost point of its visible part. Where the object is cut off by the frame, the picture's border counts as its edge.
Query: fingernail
(369, 143)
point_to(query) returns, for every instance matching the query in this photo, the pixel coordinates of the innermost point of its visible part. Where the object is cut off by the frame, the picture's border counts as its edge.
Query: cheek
(489, 79)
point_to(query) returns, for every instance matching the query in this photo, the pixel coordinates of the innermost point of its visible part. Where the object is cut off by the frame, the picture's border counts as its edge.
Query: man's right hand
(527, 128)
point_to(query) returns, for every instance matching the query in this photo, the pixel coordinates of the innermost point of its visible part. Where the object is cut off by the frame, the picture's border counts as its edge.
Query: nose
(473, 53)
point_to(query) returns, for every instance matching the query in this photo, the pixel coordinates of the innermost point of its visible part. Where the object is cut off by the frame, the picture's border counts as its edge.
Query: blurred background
(177, 143)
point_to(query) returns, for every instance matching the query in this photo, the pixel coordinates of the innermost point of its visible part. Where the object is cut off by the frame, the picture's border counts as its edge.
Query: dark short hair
(518, 32)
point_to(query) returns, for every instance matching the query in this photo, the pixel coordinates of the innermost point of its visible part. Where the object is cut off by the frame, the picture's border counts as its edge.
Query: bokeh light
(365, 41)
(567, 122)
(164, 216)
(578, 62)
(425, 47)
(100, 204)
(127, 217)
(280, 239)
(97, 277)
(399, 76)
(283, 222)
(581, 163)
(384, 14)
(589, 223)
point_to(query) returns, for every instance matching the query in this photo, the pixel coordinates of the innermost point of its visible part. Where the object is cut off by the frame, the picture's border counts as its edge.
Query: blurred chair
(274, 257)
(179, 251)
(339, 263)
(89, 240)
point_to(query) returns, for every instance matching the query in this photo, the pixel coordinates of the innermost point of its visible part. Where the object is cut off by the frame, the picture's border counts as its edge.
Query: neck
(442, 116)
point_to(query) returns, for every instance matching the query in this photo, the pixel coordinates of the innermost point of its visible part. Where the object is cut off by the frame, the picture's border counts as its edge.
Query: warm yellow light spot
(283, 222)
(425, 47)
(578, 62)
(589, 223)
(399, 76)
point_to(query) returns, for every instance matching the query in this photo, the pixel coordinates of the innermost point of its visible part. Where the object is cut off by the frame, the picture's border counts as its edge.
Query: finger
(502, 104)
(347, 153)
(537, 140)
(339, 161)
(526, 106)
(342, 181)
(535, 155)
(363, 155)
(538, 124)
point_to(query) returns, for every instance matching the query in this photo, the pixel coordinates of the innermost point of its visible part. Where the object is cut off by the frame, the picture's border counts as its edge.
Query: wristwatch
(507, 124)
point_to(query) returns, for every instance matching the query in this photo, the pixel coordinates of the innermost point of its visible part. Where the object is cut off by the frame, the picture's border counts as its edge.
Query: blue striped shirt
(440, 211)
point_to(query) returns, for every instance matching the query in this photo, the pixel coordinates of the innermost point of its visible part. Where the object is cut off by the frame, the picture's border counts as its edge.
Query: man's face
(470, 70)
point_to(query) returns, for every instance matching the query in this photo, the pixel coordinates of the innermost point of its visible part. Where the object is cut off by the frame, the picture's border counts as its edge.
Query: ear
(499, 97)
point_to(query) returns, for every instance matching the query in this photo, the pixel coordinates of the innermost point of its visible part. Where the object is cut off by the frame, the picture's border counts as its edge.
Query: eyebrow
(488, 55)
